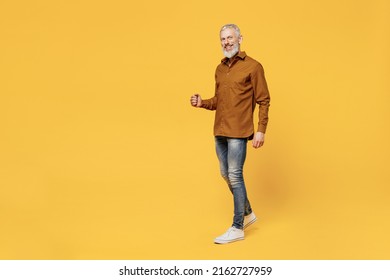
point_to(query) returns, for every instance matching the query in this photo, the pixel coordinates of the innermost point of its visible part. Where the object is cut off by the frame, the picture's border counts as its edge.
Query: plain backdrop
(102, 156)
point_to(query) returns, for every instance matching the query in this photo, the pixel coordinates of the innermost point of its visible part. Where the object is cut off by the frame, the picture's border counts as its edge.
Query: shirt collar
(240, 55)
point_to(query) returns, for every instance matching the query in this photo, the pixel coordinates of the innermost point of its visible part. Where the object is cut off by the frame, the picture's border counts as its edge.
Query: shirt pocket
(241, 82)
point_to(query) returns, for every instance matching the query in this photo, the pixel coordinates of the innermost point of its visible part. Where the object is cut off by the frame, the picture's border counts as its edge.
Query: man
(239, 85)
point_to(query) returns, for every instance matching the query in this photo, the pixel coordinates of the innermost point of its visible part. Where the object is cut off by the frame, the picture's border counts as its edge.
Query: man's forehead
(227, 31)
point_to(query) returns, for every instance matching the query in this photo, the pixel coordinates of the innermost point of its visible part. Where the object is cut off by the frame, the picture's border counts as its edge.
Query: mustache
(234, 49)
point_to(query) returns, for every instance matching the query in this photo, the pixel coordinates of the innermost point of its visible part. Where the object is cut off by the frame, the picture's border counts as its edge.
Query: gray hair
(232, 26)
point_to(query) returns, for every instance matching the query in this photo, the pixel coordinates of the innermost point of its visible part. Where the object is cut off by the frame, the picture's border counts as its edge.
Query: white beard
(233, 52)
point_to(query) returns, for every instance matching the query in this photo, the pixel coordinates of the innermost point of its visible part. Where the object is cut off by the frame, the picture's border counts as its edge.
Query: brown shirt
(237, 90)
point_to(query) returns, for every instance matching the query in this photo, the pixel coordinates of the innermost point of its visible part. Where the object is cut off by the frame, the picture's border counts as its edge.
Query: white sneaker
(249, 219)
(231, 235)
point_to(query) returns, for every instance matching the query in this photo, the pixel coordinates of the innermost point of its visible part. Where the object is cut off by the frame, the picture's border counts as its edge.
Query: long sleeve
(211, 104)
(262, 97)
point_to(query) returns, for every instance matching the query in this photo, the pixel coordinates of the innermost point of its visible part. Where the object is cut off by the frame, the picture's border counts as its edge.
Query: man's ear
(240, 39)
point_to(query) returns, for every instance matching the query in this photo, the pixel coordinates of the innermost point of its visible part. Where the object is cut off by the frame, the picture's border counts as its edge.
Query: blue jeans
(231, 154)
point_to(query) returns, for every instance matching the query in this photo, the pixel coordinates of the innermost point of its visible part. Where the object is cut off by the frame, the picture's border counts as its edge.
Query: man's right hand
(196, 100)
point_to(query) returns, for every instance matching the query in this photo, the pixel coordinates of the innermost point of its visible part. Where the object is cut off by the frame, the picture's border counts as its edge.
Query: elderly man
(239, 85)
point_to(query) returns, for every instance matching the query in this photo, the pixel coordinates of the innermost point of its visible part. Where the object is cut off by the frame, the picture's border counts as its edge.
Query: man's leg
(231, 154)
(221, 147)
(232, 234)
(236, 159)
(222, 153)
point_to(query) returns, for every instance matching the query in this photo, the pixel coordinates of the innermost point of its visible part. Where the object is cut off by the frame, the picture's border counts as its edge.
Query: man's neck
(230, 60)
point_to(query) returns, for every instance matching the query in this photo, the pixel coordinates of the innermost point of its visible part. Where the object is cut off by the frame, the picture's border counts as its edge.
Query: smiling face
(230, 42)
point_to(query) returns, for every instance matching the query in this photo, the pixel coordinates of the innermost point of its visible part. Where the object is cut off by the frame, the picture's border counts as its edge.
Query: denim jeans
(231, 154)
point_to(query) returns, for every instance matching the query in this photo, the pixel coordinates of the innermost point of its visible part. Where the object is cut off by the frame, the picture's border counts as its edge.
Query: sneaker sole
(250, 223)
(228, 241)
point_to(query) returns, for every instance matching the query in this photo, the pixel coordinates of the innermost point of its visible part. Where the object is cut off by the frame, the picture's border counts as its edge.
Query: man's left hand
(258, 140)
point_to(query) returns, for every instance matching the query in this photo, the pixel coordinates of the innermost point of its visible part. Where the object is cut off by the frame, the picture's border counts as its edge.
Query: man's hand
(258, 140)
(196, 100)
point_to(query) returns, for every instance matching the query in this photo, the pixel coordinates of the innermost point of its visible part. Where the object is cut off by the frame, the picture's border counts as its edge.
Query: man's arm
(262, 98)
(209, 104)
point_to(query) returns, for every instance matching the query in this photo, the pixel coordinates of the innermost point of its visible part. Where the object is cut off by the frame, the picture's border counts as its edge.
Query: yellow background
(102, 157)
